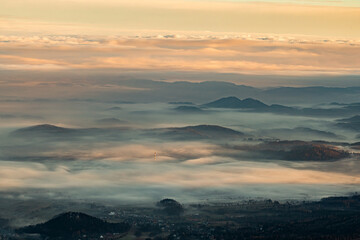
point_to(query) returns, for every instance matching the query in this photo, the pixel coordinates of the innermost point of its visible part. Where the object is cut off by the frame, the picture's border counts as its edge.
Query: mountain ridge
(234, 102)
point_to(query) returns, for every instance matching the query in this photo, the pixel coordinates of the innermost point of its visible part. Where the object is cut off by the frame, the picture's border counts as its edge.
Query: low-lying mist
(131, 152)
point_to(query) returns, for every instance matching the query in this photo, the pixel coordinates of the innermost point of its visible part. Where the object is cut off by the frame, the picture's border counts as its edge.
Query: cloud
(109, 175)
(247, 54)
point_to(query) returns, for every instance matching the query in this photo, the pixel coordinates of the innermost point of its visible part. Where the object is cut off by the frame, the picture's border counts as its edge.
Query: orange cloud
(251, 55)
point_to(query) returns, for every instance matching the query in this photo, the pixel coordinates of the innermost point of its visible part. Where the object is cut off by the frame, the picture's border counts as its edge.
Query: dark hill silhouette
(188, 109)
(55, 132)
(170, 207)
(302, 132)
(198, 132)
(296, 150)
(303, 151)
(204, 131)
(354, 119)
(70, 225)
(181, 103)
(315, 152)
(253, 103)
(250, 104)
(43, 129)
(234, 102)
(352, 123)
(110, 121)
(114, 109)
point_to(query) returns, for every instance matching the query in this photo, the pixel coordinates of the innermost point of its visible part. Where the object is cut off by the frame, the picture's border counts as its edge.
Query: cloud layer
(236, 54)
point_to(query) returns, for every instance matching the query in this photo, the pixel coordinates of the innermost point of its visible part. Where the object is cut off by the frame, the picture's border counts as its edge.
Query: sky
(244, 37)
(320, 18)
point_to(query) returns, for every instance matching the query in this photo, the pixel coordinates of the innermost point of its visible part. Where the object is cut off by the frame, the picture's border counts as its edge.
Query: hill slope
(70, 225)
(234, 102)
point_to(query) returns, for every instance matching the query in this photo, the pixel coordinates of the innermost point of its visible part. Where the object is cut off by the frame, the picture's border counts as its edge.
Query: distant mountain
(110, 121)
(212, 132)
(234, 102)
(354, 119)
(295, 151)
(55, 132)
(205, 131)
(316, 94)
(181, 103)
(352, 123)
(298, 133)
(188, 109)
(43, 129)
(72, 225)
(315, 152)
(303, 151)
(254, 105)
(205, 91)
(114, 109)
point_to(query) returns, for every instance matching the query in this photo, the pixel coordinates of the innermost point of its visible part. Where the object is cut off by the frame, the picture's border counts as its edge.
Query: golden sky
(270, 37)
(319, 18)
